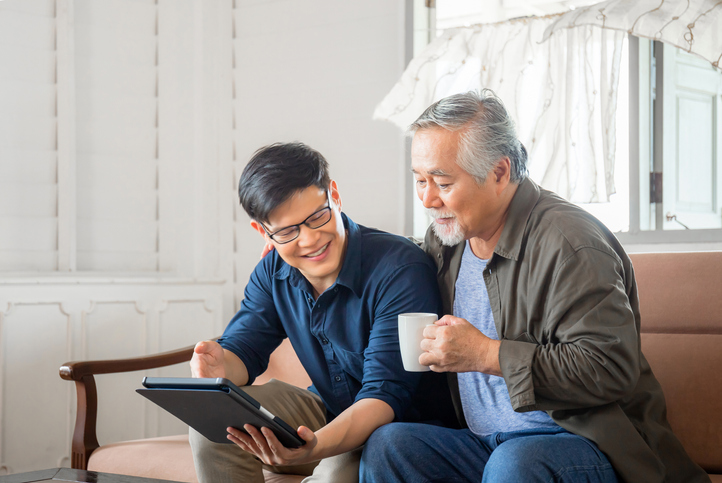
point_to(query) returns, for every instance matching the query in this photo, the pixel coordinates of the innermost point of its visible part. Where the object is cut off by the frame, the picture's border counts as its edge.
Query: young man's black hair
(275, 173)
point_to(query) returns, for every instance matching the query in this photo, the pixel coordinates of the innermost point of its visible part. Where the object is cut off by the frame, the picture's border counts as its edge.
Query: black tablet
(210, 405)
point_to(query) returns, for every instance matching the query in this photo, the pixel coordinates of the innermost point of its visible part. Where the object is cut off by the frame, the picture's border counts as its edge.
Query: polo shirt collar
(284, 272)
(351, 275)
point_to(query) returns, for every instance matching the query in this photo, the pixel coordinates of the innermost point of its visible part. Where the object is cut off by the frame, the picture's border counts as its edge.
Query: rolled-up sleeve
(591, 355)
(255, 330)
(411, 288)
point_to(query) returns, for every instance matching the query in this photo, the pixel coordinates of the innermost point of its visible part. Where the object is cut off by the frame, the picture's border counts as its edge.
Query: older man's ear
(502, 172)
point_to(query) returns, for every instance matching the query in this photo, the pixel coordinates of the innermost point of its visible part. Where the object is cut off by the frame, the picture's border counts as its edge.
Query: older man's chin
(448, 235)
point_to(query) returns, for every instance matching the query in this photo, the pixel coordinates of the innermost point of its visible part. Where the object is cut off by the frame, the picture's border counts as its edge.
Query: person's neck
(483, 249)
(320, 285)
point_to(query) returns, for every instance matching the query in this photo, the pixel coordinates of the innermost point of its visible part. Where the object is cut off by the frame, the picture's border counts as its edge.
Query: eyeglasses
(290, 233)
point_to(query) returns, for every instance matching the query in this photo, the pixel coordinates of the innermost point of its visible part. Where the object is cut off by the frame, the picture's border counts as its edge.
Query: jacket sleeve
(591, 348)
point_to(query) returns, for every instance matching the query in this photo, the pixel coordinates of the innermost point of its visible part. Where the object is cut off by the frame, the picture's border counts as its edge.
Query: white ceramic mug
(411, 333)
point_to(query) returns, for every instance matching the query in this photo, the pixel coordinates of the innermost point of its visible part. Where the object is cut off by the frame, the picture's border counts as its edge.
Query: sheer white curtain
(562, 94)
(693, 25)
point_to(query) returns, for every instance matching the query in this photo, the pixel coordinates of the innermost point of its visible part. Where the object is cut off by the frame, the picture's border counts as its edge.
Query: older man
(543, 347)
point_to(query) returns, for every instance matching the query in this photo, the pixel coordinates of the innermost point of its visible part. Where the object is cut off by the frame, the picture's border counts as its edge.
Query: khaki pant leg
(227, 463)
(342, 468)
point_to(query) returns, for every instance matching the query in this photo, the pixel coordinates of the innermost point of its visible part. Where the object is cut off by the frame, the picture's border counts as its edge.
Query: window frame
(646, 122)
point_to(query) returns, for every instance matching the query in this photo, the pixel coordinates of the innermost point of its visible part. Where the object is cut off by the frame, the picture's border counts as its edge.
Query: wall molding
(208, 304)
(82, 279)
(11, 310)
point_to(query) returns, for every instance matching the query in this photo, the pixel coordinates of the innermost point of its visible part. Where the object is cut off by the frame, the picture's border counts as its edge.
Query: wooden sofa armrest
(85, 439)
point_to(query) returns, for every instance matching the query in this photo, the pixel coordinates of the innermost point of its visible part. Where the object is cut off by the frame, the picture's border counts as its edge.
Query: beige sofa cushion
(166, 458)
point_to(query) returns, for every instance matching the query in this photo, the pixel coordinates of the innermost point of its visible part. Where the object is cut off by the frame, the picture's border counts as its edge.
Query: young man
(543, 346)
(335, 289)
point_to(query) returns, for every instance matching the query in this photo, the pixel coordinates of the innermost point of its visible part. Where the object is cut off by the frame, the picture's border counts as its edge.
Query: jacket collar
(520, 209)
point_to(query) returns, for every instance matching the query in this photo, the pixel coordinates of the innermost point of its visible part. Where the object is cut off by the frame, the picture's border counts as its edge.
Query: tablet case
(210, 405)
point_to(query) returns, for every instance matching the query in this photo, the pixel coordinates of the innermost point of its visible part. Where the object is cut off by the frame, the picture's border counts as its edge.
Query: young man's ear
(257, 226)
(335, 195)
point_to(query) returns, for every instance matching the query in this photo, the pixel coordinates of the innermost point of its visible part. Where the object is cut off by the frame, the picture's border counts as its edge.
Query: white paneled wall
(48, 322)
(124, 126)
(110, 231)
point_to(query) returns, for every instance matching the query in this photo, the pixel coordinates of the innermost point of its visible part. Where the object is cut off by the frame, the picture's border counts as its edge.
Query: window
(676, 174)
(668, 156)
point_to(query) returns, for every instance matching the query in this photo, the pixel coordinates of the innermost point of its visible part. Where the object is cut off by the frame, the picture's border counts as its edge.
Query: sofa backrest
(680, 297)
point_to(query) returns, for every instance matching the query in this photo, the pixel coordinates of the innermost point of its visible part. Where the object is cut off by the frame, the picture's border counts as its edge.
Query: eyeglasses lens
(317, 220)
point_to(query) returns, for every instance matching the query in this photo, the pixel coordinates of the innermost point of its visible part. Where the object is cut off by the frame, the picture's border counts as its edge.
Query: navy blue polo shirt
(347, 340)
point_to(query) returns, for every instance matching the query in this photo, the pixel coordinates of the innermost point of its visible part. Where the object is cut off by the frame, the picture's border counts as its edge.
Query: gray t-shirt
(484, 397)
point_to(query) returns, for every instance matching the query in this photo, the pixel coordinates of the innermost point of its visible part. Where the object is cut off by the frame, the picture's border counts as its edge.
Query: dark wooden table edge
(75, 476)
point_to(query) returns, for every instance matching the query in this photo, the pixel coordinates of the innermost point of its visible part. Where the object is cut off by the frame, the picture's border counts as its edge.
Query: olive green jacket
(565, 305)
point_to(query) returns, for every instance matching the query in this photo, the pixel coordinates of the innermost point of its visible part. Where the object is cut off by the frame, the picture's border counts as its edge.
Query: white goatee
(450, 234)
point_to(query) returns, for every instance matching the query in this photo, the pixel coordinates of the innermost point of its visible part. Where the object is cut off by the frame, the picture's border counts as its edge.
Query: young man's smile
(318, 252)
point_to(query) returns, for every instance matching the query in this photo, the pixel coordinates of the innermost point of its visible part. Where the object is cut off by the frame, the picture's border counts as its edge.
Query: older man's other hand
(454, 345)
(267, 248)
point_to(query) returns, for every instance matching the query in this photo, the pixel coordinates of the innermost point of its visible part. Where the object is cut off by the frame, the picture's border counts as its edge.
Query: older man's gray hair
(487, 132)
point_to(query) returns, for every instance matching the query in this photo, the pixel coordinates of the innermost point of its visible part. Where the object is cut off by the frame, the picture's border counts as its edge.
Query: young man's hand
(208, 360)
(265, 446)
(348, 431)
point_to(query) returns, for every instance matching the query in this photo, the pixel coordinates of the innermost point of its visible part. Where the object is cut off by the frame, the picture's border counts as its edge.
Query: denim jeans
(420, 453)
